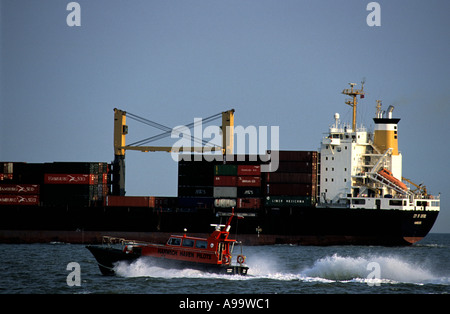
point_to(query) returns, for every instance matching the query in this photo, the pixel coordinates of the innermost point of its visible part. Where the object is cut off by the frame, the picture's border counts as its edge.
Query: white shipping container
(225, 191)
(224, 202)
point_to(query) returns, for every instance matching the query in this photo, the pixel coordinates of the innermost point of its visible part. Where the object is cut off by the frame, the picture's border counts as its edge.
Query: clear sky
(277, 63)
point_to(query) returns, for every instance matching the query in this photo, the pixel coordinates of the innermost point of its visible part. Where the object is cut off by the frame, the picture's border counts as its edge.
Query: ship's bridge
(343, 132)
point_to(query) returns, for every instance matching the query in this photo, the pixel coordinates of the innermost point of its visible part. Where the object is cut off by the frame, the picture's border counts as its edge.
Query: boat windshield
(188, 242)
(174, 241)
(199, 244)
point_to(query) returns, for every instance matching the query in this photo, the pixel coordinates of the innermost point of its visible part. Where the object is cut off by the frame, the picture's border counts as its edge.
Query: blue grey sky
(277, 63)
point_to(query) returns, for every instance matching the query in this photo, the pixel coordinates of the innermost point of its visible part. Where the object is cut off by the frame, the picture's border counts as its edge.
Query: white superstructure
(361, 169)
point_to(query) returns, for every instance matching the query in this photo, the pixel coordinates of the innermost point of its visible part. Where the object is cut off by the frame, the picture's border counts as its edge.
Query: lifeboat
(388, 176)
(212, 254)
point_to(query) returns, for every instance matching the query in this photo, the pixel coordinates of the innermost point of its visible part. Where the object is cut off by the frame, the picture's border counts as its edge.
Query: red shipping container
(286, 177)
(19, 199)
(225, 181)
(19, 189)
(127, 201)
(56, 178)
(249, 203)
(162, 202)
(249, 170)
(249, 181)
(297, 166)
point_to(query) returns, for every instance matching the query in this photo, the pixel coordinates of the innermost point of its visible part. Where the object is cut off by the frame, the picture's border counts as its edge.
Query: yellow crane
(121, 130)
(420, 189)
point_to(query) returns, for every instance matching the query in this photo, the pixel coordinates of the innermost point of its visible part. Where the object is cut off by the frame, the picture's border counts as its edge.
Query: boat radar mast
(353, 102)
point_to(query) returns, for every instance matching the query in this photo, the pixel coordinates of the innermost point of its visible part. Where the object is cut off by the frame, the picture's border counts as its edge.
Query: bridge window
(358, 201)
(174, 241)
(201, 244)
(188, 242)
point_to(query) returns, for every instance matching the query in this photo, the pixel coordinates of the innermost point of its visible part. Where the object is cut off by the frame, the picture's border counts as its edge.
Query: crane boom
(121, 130)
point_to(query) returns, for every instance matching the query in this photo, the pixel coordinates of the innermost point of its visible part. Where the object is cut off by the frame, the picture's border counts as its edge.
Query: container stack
(220, 185)
(20, 183)
(249, 186)
(195, 184)
(75, 183)
(294, 183)
(54, 184)
(225, 185)
(240, 183)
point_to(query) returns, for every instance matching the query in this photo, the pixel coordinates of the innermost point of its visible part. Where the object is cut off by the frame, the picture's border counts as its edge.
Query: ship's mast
(353, 102)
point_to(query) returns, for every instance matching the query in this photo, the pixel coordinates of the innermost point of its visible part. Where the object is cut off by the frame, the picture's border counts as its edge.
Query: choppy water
(283, 269)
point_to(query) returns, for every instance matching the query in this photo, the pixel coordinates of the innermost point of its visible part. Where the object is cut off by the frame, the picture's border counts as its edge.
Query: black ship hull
(107, 257)
(300, 225)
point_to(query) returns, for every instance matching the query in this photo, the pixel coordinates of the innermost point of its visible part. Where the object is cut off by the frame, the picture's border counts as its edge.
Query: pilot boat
(212, 254)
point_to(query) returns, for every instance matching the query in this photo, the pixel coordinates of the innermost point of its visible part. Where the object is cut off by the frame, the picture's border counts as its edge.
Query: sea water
(423, 268)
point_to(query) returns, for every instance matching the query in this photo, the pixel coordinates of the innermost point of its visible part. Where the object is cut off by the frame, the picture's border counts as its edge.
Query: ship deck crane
(121, 130)
(420, 189)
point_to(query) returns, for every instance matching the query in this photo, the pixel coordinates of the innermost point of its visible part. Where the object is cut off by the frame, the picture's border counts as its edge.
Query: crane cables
(169, 131)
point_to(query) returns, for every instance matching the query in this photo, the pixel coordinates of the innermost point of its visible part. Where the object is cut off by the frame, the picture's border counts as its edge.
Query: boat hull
(107, 257)
(264, 226)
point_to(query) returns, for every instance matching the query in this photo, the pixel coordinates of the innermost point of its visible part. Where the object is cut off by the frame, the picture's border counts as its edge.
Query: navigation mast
(353, 102)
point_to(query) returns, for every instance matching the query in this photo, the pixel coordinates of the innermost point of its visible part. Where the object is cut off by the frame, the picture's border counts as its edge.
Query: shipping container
(196, 180)
(195, 168)
(70, 194)
(253, 203)
(288, 201)
(74, 167)
(57, 178)
(195, 191)
(249, 170)
(127, 201)
(297, 166)
(224, 202)
(196, 202)
(225, 191)
(19, 199)
(290, 189)
(25, 173)
(225, 181)
(286, 177)
(19, 189)
(225, 170)
(248, 191)
(163, 201)
(249, 181)
(193, 180)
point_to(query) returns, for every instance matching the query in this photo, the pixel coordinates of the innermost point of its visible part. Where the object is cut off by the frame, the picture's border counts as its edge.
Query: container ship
(351, 191)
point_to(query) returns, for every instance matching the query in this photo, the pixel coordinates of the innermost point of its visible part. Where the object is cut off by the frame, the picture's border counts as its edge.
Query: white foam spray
(328, 269)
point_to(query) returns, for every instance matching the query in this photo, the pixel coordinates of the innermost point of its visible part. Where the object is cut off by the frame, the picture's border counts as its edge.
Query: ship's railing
(112, 240)
(109, 240)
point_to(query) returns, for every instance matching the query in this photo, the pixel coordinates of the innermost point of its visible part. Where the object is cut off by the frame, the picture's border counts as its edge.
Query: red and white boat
(212, 254)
